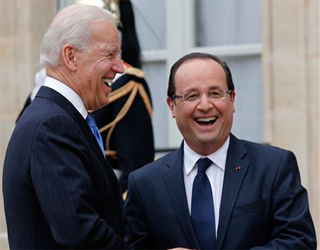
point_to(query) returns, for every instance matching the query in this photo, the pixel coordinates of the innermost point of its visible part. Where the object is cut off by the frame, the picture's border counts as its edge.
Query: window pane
(227, 22)
(157, 82)
(60, 4)
(150, 23)
(248, 118)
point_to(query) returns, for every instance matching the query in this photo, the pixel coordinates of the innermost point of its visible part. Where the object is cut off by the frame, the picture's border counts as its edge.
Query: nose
(204, 103)
(117, 65)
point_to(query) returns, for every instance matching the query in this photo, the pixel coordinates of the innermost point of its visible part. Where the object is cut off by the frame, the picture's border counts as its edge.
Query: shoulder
(265, 150)
(157, 167)
(266, 155)
(130, 70)
(41, 110)
(131, 75)
(254, 148)
(45, 117)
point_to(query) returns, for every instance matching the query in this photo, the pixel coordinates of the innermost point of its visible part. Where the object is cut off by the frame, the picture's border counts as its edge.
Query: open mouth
(107, 81)
(206, 121)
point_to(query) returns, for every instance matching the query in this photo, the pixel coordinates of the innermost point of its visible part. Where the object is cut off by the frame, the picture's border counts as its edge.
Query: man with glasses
(216, 191)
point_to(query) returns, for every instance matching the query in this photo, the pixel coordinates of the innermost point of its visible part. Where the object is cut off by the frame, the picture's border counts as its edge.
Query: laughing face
(205, 124)
(98, 64)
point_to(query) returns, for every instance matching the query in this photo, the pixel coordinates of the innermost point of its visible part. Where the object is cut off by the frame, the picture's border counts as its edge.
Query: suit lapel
(66, 105)
(236, 168)
(71, 110)
(174, 181)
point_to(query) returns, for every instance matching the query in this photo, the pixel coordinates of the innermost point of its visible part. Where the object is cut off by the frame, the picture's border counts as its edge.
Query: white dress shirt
(68, 93)
(215, 173)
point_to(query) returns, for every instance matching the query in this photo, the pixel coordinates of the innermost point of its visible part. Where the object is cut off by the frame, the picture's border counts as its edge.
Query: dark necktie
(93, 126)
(202, 209)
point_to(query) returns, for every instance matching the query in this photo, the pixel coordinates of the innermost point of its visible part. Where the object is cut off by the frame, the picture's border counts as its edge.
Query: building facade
(272, 47)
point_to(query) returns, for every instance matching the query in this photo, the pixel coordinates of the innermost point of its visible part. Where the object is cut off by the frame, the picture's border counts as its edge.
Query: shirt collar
(219, 157)
(68, 93)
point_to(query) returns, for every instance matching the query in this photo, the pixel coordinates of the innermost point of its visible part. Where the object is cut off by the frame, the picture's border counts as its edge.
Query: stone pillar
(291, 86)
(22, 26)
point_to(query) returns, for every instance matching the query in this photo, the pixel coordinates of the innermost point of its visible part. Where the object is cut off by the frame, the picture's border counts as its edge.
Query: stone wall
(291, 86)
(290, 69)
(22, 26)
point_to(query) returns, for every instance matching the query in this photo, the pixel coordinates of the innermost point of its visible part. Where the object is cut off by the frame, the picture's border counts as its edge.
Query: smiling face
(97, 64)
(204, 124)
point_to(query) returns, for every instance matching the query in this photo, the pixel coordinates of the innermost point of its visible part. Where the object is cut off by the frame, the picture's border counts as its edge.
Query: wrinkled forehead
(104, 30)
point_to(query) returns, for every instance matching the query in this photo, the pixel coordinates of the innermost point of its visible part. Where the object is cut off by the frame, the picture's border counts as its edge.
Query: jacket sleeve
(292, 223)
(136, 228)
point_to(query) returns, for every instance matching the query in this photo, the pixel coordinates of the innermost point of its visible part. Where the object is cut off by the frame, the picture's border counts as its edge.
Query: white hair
(70, 26)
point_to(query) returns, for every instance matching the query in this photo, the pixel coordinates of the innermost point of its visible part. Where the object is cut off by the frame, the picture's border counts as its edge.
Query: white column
(291, 85)
(180, 40)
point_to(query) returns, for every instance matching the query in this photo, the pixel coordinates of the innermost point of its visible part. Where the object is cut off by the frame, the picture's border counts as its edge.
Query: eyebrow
(110, 49)
(197, 90)
(216, 87)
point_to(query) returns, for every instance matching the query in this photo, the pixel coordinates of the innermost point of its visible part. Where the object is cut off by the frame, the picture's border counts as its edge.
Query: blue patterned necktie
(93, 126)
(202, 208)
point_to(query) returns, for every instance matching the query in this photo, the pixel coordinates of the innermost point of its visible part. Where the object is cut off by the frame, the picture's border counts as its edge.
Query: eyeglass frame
(181, 97)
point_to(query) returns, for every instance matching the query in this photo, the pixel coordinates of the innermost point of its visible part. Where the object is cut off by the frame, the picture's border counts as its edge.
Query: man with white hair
(124, 121)
(59, 190)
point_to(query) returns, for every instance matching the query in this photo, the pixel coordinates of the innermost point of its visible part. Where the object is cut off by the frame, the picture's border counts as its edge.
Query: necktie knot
(93, 126)
(91, 121)
(203, 164)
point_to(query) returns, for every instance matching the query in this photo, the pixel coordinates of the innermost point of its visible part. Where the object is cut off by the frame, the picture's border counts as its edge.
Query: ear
(233, 97)
(69, 57)
(172, 106)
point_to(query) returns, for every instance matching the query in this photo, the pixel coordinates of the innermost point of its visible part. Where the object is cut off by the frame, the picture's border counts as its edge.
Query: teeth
(211, 119)
(107, 81)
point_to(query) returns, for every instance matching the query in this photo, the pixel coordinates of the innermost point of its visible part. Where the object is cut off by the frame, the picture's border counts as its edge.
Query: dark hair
(171, 84)
(130, 44)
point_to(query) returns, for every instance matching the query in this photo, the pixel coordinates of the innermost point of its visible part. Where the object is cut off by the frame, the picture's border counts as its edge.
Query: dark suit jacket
(59, 191)
(129, 143)
(131, 138)
(263, 203)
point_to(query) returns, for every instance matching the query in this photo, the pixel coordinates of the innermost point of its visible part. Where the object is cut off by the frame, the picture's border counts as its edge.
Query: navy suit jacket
(263, 204)
(59, 191)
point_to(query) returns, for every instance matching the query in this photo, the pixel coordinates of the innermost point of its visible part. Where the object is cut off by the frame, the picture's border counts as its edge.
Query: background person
(247, 196)
(126, 123)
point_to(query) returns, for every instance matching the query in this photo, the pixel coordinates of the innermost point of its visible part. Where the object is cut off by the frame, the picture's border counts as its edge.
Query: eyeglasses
(213, 94)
